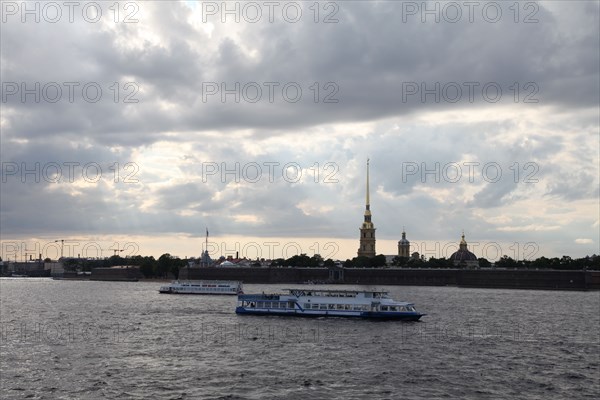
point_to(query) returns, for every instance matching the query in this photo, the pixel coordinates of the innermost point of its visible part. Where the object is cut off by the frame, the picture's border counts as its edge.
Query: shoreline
(581, 280)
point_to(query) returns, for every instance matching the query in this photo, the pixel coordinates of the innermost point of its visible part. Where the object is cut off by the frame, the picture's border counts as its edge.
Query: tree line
(563, 263)
(169, 266)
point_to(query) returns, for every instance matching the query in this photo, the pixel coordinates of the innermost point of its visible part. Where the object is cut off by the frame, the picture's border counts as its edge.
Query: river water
(121, 340)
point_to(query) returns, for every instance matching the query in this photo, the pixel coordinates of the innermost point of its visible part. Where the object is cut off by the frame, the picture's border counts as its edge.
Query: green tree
(416, 262)
(148, 267)
(301, 260)
(506, 262)
(165, 262)
(541, 263)
(593, 262)
(176, 265)
(278, 262)
(329, 263)
(399, 261)
(484, 263)
(316, 261)
(70, 264)
(361, 262)
(116, 260)
(377, 261)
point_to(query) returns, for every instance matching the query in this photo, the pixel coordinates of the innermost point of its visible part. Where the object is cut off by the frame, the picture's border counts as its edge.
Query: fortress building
(461, 258)
(367, 230)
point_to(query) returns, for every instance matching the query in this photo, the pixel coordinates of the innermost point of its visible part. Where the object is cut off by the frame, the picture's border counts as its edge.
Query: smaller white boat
(203, 287)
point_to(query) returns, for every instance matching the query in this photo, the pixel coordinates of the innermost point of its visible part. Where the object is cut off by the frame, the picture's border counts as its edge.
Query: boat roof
(318, 290)
(203, 281)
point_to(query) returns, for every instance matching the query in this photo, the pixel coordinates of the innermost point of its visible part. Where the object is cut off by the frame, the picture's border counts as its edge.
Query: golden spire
(463, 242)
(367, 230)
(368, 202)
(368, 205)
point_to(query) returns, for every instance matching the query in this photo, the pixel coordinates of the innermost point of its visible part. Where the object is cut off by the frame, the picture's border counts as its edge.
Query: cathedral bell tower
(404, 246)
(367, 230)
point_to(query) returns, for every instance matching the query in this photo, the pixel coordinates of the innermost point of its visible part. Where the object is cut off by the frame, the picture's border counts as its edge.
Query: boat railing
(258, 297)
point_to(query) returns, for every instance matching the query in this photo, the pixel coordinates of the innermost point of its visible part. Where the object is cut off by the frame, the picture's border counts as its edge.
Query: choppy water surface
(91, 340)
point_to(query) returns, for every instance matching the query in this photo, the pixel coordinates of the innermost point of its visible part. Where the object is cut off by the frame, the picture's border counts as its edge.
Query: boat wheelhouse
(203, 287)
(323, 302)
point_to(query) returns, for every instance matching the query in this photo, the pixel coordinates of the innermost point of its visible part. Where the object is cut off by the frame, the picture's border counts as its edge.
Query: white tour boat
(203, 287)
(323, 302)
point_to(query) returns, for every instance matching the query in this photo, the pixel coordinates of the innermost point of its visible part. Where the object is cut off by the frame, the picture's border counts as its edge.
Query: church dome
(404, 240)
(463, 254)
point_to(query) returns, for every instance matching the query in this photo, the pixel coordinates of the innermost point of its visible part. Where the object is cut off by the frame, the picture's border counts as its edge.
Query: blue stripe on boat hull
(364, 314)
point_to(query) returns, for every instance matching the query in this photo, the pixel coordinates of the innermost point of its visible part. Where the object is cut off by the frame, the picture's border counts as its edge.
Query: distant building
(463, 257)
(205, 260)
(56, 268)
(119, 273)
(25, 268)
(367, 230)
(403, 246)
(227, 264)
(389, 259)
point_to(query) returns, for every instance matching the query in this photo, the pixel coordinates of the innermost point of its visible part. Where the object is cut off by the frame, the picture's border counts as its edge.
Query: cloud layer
(180, 121)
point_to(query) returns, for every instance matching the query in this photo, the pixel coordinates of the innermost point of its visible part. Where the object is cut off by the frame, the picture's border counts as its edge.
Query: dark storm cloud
(370, 55)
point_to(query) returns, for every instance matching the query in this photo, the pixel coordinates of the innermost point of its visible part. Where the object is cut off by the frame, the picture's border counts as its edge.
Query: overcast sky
(141, 126)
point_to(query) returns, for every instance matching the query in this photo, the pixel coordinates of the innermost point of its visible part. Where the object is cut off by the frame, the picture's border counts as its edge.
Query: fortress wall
(512, 279)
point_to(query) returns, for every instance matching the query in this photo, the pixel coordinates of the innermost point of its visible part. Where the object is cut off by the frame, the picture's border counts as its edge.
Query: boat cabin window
(331, 306)
(307, 305)
(368, 295)
(384, 308)
(323, 307)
